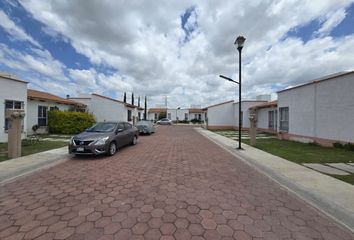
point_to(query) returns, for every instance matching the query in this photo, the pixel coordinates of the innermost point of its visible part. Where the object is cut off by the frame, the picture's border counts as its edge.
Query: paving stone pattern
(174, 184)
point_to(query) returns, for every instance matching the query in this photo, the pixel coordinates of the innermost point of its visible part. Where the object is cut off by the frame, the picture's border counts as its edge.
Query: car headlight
(100, 141)
(72, 142)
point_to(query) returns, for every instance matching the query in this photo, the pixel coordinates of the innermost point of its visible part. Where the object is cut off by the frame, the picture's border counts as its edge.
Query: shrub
(338, 145)
(196, 121)
(66, 122)
(349, 146)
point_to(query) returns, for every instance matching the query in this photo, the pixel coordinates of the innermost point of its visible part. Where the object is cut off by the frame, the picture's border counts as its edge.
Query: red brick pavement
(174, 184)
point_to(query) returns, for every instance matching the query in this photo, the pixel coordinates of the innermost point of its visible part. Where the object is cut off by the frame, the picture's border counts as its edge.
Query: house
(13, 94)
(110, 109)
(38, 105)
(196, 113)
(156, 113)
(320, 111)
(225, 115)
(179, 114)
(267, 116)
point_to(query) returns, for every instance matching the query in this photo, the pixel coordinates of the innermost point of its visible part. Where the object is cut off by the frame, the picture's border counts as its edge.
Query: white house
(13, 95)
(155, 113)
(245, 112)
(267, 116)
(221, 116)
(185, 114)
(38, 105)
(225, 115)
(321, 110)
(110, 109)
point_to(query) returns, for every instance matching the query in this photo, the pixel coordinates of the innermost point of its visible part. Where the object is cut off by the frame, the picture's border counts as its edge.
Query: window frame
(284, 119)
(42, 115)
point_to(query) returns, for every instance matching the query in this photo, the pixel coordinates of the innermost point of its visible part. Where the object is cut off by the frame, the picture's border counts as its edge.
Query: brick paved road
(174, 184)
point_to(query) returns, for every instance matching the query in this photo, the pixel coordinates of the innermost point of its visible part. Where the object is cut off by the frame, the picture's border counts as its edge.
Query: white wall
(32, 111)
(11, 90)
(263, 118)
(245, 105)
(301, 109)
(106, 109)
(180, 114)
(324, 109)
(192, 116)
(221, 115)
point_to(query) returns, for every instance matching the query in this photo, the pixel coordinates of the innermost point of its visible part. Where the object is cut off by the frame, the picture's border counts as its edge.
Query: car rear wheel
(112, 149)
(135, 140)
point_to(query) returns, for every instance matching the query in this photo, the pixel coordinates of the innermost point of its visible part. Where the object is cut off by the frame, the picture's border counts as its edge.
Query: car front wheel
(112, 149)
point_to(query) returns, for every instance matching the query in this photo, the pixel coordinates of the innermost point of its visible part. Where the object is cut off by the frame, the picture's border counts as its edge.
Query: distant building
(174, 114)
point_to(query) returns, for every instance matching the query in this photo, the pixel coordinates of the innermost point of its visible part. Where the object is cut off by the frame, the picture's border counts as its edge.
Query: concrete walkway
(333, 197)
(21, 166)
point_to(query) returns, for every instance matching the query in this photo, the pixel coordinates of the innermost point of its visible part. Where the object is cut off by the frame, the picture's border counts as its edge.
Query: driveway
(175, 184)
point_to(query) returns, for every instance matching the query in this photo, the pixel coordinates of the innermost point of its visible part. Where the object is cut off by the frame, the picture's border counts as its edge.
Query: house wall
(107, 110)
(263, 119)
(192, 116)
(32, 112)
(221, 116)
(11, 90)
(180, 114)
(322, 111)
(245, 105)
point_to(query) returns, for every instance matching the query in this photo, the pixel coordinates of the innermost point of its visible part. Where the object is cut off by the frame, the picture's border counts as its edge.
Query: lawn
(28, 148)
(303, 152)
(300, 152)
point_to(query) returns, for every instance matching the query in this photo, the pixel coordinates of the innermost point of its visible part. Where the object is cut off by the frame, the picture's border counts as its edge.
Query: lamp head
(240, 40)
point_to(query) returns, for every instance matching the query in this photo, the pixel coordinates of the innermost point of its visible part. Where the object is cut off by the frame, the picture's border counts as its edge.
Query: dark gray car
(104, 137)
(145, 127)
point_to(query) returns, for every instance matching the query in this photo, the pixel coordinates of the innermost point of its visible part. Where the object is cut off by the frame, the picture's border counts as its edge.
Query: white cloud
(15, 31)
(333, 19)
(142, 41)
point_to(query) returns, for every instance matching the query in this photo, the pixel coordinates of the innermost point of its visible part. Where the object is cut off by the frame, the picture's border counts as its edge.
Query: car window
(127, 126)
(102, 127)
(120, 126)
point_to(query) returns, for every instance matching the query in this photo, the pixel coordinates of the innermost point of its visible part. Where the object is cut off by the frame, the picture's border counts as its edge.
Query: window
(127, 126)
(284, 118)
(186, 116)
(129, 115)
(271, 120)
(10, 104)
(53, 108)
(156, 116)
(199, 116)
(139, 116)
(42, 116)
(169, 115)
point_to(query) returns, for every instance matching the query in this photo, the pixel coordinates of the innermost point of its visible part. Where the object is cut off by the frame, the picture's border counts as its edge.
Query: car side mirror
(119, 130)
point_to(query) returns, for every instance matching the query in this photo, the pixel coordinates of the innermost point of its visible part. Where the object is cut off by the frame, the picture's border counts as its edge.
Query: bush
(338, 145)
(196, 121)
(66, 122)
(349, 146)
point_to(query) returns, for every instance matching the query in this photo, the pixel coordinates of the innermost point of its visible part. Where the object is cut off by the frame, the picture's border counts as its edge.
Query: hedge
(65, 122)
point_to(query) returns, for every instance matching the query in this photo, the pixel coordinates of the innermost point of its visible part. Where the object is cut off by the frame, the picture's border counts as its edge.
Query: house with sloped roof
(109, 109)
(38, 105)
(13, 94)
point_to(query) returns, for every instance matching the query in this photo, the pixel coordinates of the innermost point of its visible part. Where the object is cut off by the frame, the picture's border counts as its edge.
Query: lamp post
(240, 40)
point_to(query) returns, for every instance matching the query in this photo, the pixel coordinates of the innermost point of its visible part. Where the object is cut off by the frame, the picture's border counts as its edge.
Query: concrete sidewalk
(333, 197)
(21, 166)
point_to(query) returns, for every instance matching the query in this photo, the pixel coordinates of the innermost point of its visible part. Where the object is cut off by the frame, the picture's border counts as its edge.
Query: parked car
(104, 138)
(164, 121)
(145, 127)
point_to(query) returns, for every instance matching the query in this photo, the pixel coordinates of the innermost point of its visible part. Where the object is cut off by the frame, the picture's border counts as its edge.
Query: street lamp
(240, 40)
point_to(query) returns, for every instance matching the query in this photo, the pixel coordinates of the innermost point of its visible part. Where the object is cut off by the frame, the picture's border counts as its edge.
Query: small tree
(125, 97)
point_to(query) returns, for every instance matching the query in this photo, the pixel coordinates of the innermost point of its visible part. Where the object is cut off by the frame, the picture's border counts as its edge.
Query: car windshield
(102, 127)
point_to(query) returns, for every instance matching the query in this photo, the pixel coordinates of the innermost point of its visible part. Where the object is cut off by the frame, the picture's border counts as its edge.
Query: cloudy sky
(173, 48)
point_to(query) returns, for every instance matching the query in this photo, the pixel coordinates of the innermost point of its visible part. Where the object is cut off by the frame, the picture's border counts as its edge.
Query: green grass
(28, 148)
(303, 152)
